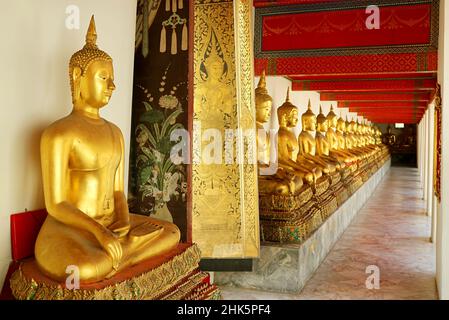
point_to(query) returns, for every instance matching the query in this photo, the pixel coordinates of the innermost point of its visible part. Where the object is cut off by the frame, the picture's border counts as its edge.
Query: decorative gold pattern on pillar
(225, 196)
(437, 145)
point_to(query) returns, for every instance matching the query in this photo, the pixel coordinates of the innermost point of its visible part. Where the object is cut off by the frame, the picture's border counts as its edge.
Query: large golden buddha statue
(88, 223)
(307, 143)
(284, 181)
(288, 147)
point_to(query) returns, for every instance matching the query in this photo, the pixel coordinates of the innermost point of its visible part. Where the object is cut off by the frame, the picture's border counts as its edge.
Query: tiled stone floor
(391, 232)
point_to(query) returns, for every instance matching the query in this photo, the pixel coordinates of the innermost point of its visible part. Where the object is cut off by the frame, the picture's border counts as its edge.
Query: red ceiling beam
(366, 63)
(352, 76)
(381, 104)
(364, 85)
(267, 3)
(389, 113)
(375, 96)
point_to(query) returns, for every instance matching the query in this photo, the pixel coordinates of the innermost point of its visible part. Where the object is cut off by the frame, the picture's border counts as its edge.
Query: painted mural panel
(157, 186)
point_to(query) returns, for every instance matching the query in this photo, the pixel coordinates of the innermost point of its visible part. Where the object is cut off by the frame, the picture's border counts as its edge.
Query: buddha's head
(341, 125)
(214, 64)
(322, 122)
(332, 118)
(354, 127)
(91, 73)
(349, 126)
(264, 101)
(359, 127)
(308, 119)
(288, 113)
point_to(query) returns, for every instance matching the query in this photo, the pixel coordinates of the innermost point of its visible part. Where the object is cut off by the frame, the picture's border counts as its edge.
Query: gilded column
(225, 221)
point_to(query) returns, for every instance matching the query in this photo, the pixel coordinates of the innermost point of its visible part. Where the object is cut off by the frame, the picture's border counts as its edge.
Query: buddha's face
(323, 126)
(215, 69)
(293, 118)
(341, 125)
(348, 127)
(333, 122)
(97, 84)
(309, 123)
(263, 111)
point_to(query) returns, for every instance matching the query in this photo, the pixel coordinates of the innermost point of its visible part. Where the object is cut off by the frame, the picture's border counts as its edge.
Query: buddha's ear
(76, 74)
(76, 77)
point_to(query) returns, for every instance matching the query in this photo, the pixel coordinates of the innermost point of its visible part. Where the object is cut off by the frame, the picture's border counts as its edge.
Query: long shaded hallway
(392, 232)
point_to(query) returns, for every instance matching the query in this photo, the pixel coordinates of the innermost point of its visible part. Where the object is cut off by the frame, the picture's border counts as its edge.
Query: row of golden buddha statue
(317, 170)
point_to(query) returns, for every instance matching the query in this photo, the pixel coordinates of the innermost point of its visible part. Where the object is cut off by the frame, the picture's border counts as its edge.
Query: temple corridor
(391, 232)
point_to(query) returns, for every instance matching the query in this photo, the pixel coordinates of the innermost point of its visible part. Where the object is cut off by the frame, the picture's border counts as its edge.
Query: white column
(430, 126)
(425, 157)
(418, 147)
(420, 152)
(442, 234)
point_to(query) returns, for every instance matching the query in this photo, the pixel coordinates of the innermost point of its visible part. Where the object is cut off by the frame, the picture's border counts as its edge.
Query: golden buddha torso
(307, 143)
(289, 148)
(332, 138)
(94, 152)
(323, 145)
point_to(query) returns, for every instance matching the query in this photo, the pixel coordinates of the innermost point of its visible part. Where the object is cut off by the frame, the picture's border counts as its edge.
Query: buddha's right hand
(110, 243)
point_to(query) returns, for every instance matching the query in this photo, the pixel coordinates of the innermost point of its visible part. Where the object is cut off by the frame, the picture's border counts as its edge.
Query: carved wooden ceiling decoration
(387, 75)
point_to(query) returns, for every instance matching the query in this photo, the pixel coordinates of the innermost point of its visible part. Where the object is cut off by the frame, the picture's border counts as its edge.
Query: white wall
(36, 48)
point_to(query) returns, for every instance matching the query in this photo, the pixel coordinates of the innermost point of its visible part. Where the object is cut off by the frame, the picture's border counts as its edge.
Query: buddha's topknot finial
(91, 36)
(262, 86)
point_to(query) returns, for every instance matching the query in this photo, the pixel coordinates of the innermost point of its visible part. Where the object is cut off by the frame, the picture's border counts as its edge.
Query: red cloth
(24, 230)
(399, 25)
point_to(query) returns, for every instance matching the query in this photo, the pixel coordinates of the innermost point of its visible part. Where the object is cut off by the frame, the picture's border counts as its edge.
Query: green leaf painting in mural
(159, 178)
(152, 116)
(147, 105)
(145, 174)
(171, 120)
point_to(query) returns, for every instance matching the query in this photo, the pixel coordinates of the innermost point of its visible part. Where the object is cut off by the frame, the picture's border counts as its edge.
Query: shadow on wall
(31, 169)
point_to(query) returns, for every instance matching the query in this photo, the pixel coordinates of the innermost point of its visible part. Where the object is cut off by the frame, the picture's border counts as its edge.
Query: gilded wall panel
(224, 175)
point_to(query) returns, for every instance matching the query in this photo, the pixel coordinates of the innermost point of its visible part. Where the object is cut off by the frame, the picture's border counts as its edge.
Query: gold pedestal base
(174, 275)
(295, 229)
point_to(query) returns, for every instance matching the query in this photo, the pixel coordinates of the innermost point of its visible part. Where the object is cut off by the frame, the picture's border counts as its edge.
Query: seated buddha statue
(360, 138)
(284, 181)
(88, 224)
(343, 142)
(389, 138)
(323, 144)
(336, 140)
(288, 147)
(351, 140)
(368, 135)
(307, 143)
(378, 136)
